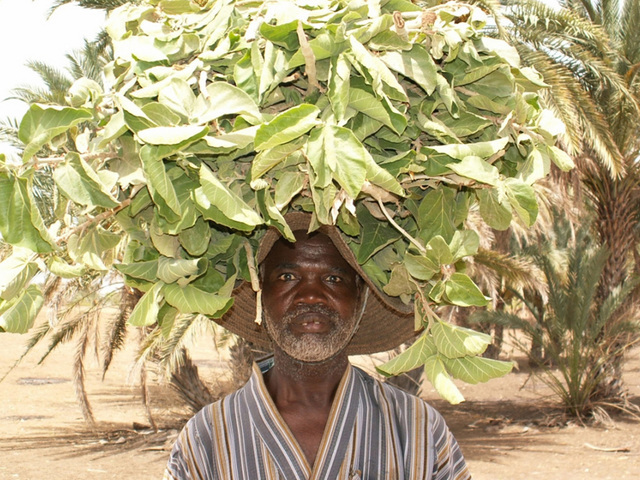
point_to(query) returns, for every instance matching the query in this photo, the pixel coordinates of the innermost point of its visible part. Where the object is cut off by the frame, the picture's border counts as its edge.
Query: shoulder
(195, 446)
(396, 396)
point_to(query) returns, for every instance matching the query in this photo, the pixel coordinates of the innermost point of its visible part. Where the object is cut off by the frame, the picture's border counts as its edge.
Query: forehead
(314, 250)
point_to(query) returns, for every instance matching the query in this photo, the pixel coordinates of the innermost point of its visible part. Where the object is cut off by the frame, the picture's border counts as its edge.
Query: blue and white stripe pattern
(374, 431)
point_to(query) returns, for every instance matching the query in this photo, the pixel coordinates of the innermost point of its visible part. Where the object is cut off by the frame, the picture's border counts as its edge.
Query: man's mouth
(311, 320)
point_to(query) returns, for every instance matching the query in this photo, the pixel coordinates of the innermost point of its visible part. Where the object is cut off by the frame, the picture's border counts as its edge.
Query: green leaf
(144, 270)
(453, 341)
(195, 240)
(421, 267)
(145, 312)
(93, 248)
(20, 222)
(225, 99)
(235, 212)
(437, 374)
(18, 315)
(438, 251)
(140, 48)
(400, 282)
(62, 269)
(464, 243)
(523, 200)
(347, 158)
(339, 86)
(534, 168)
(268, 159)
(42, 123)
(160, 114)
(485, 103)
(172, 135)
(114, 129)
(437, 292)
(288, 186)
(286, 126)
(173, 269)
(323, 46)
(435, 215)
(232, 140)
(382, 178)
(494, 210)
(189, 299)
(415, 64)
(80, 183)
(480, 149)
(178, 96)
(562, 160)
(283, 34)
(383, 81)
(16, 271)
(477, 169)
(477, 369)
(159, 182)
(375, 235)
(364, 101)
(460, 290)
(84, 93)
(414, 356)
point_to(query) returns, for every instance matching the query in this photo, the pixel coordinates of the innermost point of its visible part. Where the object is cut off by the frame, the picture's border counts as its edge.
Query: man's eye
(334, 279)
(285, 277)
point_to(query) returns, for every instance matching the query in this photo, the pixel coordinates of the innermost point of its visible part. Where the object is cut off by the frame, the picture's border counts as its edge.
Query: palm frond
(519, 273)
(36, 335)
(64, 333)
(34, 94)
(90, 4)
(79, 374)
(55, 79)
(89, 62)
(117, 328)
(538, 23)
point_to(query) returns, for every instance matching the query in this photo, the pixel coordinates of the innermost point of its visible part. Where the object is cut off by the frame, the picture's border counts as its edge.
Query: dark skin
(310, 271)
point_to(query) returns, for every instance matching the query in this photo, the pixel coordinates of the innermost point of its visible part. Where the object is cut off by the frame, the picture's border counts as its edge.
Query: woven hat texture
(386, 322)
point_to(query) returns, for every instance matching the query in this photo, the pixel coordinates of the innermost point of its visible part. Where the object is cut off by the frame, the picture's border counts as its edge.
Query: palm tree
(588, 52)
(569, 325)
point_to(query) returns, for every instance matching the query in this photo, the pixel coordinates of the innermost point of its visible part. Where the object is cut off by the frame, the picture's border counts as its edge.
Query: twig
(85, 156)
(418, 245)
(255, 282)
(97, 219)
(605, 449)
(309, 60)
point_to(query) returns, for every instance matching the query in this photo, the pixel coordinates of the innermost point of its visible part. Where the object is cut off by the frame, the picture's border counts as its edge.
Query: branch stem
(390, 219)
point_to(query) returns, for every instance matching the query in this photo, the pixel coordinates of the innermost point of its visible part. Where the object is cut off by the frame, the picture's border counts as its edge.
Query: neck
(292, 381)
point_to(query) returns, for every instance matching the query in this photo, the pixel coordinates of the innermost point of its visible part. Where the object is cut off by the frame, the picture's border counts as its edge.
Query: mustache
(314, 308)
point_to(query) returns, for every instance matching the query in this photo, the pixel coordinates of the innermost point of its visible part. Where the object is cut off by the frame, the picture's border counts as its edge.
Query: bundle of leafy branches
(391, 121)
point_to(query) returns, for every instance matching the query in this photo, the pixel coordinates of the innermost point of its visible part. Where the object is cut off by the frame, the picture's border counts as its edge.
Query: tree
(569, 325)
(588, 52)
(390, 121)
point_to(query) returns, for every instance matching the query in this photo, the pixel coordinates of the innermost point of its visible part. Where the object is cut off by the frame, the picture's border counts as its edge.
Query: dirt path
(502, 428)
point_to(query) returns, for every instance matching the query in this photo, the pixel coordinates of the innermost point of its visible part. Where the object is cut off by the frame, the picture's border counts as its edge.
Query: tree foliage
(390, 121)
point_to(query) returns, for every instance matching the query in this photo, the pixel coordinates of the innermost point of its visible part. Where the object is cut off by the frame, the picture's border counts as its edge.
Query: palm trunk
(617, 203)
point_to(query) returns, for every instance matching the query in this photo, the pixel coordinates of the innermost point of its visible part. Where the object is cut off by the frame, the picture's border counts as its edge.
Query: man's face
(311, 298)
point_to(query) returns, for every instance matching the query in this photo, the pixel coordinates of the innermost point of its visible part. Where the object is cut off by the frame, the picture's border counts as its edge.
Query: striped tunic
(374, 431)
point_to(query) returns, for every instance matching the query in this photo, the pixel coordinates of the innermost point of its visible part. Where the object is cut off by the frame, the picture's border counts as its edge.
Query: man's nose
(310, 290)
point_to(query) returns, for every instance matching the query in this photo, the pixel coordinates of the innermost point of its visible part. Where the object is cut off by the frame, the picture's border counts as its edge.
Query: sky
(28, 33)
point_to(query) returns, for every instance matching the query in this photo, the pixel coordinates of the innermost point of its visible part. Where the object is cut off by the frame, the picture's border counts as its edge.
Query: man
(311, 415)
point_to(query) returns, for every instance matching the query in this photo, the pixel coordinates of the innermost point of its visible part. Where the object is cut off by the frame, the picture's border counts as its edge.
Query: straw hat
(386, 323)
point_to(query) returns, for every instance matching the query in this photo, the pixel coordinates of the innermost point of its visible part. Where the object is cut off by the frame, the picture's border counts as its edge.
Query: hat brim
(386, 322)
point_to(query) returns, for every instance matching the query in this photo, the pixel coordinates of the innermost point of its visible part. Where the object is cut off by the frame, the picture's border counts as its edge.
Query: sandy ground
(506, 427)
